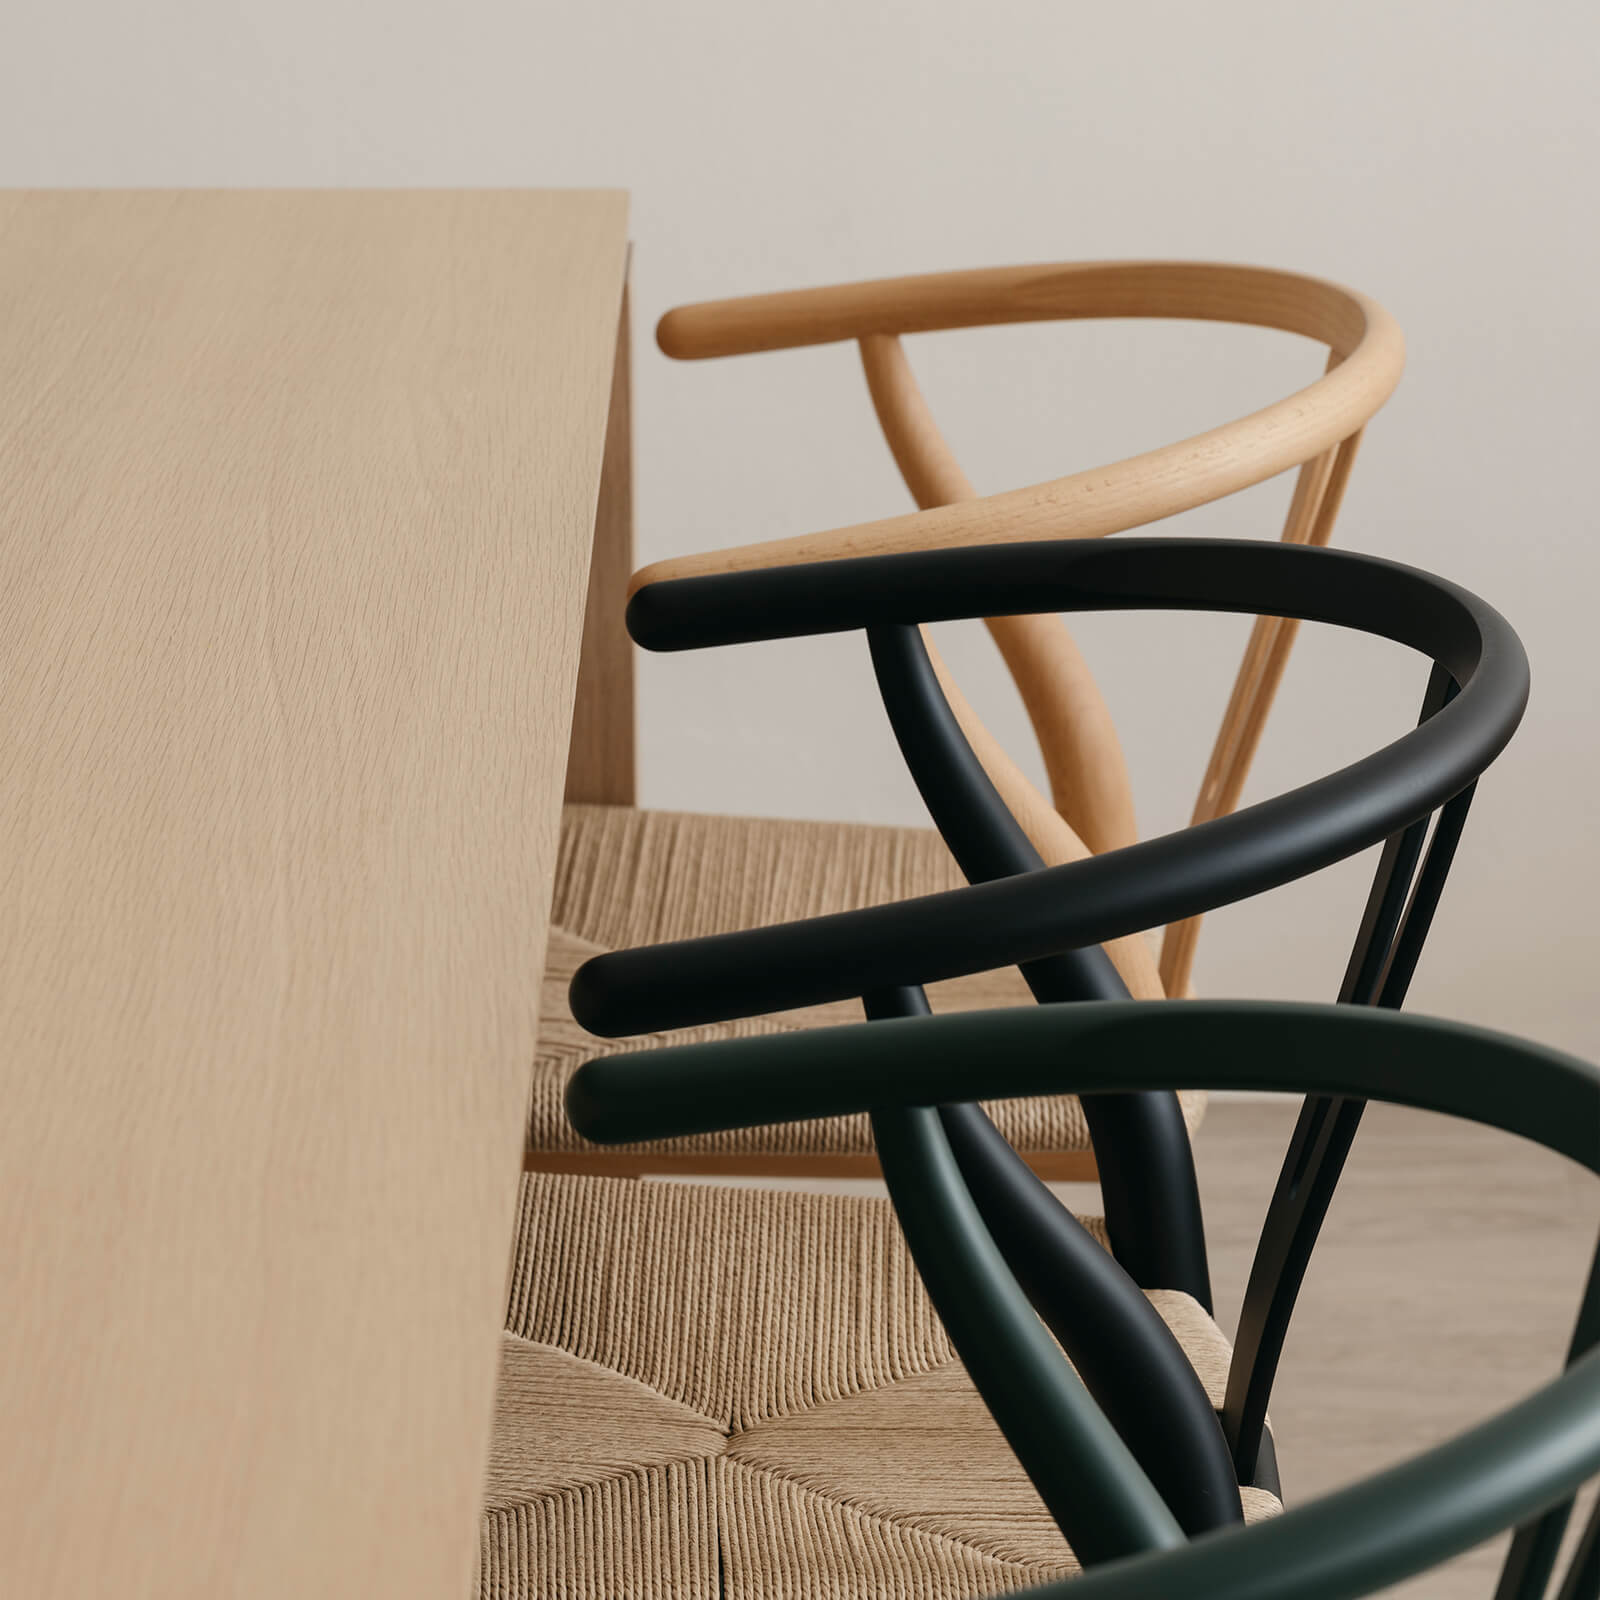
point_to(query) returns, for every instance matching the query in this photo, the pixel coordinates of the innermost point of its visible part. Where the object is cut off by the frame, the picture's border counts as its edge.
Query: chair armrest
(1366, 344)
(1094, 1047)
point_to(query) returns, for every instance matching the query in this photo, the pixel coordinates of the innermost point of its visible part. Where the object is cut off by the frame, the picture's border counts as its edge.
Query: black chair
(1050, 922)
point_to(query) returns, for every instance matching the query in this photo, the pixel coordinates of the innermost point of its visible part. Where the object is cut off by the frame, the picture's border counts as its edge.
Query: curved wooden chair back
(1090, 807)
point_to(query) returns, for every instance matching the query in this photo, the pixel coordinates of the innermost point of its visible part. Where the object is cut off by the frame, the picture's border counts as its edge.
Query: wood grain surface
(296, 496)
(601, 760)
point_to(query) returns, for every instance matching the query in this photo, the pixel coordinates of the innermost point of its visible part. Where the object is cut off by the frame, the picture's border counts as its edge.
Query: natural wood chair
(746, 1393)
(633, 877)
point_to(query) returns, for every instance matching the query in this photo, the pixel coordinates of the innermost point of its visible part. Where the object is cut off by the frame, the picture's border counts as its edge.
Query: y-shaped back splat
(1093, 800)
(1077, 736)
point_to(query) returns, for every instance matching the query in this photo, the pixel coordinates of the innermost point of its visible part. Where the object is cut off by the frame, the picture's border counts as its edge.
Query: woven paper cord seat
(627, 877)
(774, 1413)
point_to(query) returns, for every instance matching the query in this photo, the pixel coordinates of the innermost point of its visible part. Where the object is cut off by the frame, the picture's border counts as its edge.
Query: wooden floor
(1444, 1287)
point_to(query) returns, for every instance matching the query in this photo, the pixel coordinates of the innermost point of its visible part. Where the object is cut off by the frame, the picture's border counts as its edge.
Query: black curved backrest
(1519, 1468)
(1017, 920)
(1050, 922)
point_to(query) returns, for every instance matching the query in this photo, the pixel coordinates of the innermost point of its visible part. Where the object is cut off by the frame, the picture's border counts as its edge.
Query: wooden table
(296, 500)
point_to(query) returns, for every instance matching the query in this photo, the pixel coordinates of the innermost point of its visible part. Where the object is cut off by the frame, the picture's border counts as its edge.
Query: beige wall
(1441, 156)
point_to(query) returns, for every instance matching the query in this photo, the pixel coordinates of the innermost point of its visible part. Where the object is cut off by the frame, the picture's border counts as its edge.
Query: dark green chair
(1519, 1469)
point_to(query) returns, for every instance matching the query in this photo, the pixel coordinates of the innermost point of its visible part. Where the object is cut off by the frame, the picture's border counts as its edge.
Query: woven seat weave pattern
(745, 1393)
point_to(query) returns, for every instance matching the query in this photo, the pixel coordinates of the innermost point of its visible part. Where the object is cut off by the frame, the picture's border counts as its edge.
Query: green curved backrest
(1523, 1463)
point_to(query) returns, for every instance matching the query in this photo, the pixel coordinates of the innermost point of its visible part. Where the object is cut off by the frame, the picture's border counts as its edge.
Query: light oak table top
(296, 498)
